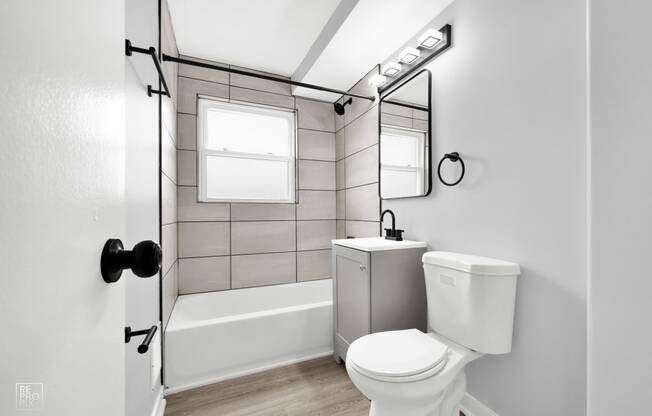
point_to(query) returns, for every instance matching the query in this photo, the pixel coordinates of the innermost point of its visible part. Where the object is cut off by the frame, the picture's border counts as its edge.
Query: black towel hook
(454, 157)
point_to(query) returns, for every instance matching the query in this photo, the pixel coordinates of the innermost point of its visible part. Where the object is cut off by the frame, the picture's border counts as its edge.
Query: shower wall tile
(205, 74)
(420, 114)
(340, 199)
(315, 235)
(257, 212)
(259, 84)
(187, 132)
(261, 97)
(360, 106)
(363, 203)
(263, 269)
(420, 124)
(168, 246)
(397, 110)
(186, 168)
(341, 229)
(316, 205)
(362, 167)
(313, 265)
(189, 89)
(340, 175)
(257, 237)
(189, 209)
(339, 144)
(316, 145)
(315, 115)
(393, 120)
(362, 133)
(315, 174)
(204, 274)
(201, 239)
(168, 155)
(360, 229)
(168, 201)
(169, 292)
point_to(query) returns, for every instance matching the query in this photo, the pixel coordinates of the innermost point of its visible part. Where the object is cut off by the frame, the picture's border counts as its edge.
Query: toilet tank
(471, 299)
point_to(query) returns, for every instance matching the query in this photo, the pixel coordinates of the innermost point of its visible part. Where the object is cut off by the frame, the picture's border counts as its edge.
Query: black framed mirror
(405, 138)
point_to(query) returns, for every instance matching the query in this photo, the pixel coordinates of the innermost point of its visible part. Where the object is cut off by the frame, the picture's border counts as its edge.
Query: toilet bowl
(409, 373)
(470, 313)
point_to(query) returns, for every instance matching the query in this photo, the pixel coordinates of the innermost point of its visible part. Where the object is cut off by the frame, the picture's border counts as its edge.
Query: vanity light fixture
(429, 39)
(377, 80)
(391, 69)
(409, 55)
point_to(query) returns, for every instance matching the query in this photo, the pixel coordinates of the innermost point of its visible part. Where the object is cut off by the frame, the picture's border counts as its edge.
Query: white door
(62, 178)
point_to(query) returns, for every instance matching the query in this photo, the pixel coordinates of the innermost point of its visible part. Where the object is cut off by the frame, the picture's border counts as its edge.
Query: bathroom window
(401, 165)
(246, 153)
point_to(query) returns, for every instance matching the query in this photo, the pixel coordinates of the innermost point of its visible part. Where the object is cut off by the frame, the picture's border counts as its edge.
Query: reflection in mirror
(405, 139)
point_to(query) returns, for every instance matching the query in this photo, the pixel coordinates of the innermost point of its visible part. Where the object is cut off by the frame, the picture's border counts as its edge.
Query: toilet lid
(397, 353)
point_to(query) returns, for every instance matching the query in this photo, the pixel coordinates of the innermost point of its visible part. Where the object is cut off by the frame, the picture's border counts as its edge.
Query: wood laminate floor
(317, 387)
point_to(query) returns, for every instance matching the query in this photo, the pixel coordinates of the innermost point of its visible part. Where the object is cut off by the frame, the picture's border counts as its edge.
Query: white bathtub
(220, 335)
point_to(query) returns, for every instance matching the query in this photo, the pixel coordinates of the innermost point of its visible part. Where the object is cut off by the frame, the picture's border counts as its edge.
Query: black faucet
(392, 233)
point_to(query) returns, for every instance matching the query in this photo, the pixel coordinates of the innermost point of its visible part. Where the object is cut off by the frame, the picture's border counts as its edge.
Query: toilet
(470, 313)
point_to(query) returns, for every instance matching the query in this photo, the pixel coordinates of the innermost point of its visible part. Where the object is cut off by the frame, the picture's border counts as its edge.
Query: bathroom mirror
(405, 136)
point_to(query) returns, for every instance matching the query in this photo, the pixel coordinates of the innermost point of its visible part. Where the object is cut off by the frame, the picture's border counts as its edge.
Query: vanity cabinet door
(352, 296)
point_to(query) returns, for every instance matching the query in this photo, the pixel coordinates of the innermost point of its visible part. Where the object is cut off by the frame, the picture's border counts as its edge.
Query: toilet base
(446, 403)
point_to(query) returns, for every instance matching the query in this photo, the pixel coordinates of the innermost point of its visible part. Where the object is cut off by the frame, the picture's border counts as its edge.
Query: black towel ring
(454, 157)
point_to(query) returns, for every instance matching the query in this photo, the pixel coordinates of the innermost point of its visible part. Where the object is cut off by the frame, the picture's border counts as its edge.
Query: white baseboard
(473, 407)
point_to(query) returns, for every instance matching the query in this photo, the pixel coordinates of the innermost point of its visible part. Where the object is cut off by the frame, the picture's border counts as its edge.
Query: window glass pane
(248, 129)
(399, 149)
(234, 178)
(400, 183)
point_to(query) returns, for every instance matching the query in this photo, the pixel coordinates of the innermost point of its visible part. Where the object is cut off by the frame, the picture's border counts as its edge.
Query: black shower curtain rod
(262, 76)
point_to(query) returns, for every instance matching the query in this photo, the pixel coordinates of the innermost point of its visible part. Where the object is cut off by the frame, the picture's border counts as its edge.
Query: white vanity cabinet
(378, 285)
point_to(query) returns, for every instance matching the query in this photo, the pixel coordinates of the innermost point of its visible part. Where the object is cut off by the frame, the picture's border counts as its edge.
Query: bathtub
(220, 335)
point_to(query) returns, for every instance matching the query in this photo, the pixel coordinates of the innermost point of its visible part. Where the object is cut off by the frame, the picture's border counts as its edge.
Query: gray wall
(510, 97)
(234, 245)
(357, 164)
(620, 311)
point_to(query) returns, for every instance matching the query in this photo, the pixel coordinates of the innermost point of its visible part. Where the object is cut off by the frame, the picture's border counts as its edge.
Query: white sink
(378, 244)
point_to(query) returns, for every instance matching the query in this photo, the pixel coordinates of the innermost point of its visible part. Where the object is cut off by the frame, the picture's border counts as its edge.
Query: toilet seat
(397, 356)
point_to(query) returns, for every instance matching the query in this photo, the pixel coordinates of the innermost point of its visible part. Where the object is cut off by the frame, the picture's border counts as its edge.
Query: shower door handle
(144, 260)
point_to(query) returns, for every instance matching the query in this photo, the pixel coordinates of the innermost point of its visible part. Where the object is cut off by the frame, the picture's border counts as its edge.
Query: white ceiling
(267, 35)
(276, 35)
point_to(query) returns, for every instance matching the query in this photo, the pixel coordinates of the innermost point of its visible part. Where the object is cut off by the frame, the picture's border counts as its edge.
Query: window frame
(420, 168)
(204, 104)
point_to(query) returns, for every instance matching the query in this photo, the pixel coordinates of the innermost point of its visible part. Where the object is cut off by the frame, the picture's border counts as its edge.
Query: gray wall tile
(263, 269)
(204, 274)
(263, 237)
(318, 145)
(359, 229)
(168, 246)
(206, 74)
(363, 203)
(169, 292)
(341, 229)
(168, 200)
(339, 144)
(420, 114)
(315, 235)
(420, 124)
(260, 84)
(199, 239)
(398, 121)
(340, 175)
(261, 97)
(190, 88)
(319, 205)
(187, 131)
(340, 199)
(189, 209)
(186, 167)
(315, 174)
(316, 115)
(398, 110)
(362, 133)
(257, 212)
(313, 265)
(362, 167)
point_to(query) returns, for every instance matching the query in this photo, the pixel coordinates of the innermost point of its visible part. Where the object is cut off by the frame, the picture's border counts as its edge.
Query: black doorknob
(144, 260)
